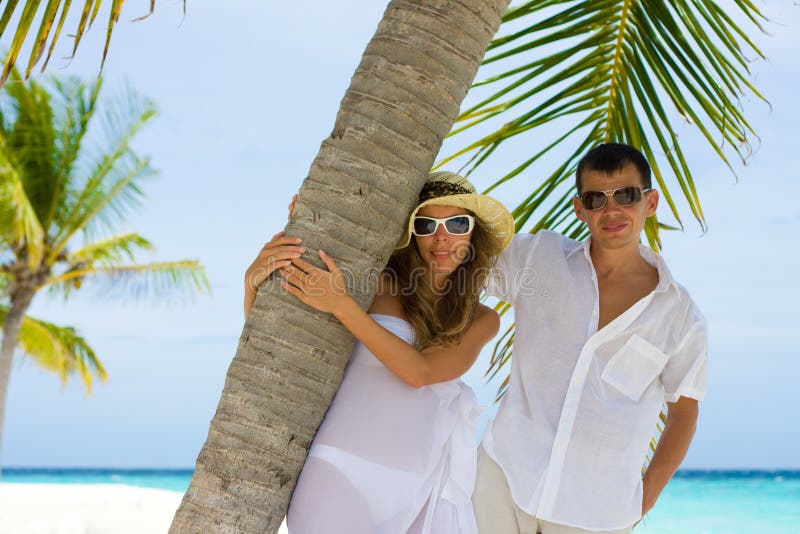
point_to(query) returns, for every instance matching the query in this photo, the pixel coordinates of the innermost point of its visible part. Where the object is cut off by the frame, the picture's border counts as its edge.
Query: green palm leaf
(111, 185)
(30, 140)
(610, 71)
(111, 251)
(19, 226)
(152, 280)
(28, 13)
(59, 349)
(75, 103)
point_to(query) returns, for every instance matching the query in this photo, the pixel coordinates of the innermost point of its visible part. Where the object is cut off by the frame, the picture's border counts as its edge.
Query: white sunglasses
(455, 225)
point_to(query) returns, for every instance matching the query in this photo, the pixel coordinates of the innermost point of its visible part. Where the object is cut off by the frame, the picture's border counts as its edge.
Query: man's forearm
(671, 450)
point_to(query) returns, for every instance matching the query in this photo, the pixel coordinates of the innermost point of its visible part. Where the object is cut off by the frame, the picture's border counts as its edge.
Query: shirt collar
(665, 280)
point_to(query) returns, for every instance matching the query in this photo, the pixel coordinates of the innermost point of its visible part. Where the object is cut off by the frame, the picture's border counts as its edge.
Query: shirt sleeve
(685, 372)
(507, 273)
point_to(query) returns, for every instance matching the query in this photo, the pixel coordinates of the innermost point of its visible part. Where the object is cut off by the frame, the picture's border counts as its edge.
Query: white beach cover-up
(390, 458)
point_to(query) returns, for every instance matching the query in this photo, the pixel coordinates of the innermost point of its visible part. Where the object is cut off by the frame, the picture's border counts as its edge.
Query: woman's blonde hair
(441, 320)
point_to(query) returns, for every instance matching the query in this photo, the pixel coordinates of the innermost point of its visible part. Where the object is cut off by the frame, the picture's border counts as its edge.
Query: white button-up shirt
(582, 405)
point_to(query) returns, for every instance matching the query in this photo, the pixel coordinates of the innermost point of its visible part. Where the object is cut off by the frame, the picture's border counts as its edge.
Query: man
(604, 336)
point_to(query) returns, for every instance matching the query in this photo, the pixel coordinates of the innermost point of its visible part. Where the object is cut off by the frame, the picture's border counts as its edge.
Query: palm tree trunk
(402, 101)
(20, 301)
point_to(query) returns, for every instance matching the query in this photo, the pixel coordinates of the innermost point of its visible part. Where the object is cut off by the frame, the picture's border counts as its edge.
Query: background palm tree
(62, 192)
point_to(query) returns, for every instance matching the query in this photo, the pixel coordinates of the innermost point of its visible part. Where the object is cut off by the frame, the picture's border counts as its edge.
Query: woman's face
(444, 252)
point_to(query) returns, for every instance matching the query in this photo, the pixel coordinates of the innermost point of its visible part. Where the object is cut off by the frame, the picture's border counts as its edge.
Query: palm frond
(609, 71)
(48, 18)
(29, 141)
(602, 69)
(76, 105)
(152, 280)
(59, 349)
(113, 18)
(47, 21)
(23, 26)
(90, 8)
(19, 226)
(8, 10)
(109, 252)
(111, 190)
(64, 12)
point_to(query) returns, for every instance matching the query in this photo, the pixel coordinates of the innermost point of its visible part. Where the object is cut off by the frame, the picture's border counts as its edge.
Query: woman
(397, 450)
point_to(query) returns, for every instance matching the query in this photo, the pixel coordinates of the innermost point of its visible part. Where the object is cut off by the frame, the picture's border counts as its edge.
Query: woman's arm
(324, 290)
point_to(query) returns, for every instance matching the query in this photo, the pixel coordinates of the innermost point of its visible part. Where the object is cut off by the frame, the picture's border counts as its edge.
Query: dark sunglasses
(624, 196)
(455, 225)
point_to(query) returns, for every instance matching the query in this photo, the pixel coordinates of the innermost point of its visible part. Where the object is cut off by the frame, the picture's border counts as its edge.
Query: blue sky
(247, 93)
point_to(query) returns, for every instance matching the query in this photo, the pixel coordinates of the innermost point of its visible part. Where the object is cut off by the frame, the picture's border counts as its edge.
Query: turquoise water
(694, 502)
(721, 502)
(168, 479)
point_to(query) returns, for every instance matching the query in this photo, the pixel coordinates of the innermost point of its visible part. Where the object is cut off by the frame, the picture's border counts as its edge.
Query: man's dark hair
(609, 158)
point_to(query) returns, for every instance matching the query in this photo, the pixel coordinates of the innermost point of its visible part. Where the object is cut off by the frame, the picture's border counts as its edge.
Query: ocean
(694, 502)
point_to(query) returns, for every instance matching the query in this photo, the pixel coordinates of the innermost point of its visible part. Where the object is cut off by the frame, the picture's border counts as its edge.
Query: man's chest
(617, 295)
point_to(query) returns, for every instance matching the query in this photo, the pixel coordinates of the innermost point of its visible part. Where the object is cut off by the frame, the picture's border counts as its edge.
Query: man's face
(615, 226)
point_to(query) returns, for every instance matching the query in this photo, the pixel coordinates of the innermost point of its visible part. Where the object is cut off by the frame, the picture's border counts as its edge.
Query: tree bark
(359, 192)
(20, 301)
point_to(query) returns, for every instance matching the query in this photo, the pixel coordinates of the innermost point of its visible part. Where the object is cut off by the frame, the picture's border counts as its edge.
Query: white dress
(390, 458)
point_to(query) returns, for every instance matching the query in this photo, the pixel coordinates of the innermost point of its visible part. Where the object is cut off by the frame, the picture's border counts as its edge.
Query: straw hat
(449, 189)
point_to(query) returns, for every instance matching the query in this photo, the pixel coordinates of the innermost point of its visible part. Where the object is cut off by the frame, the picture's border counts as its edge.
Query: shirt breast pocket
(634, 367)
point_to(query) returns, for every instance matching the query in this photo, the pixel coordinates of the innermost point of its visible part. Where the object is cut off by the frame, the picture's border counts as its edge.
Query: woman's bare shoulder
(487, 320)
(387, 297)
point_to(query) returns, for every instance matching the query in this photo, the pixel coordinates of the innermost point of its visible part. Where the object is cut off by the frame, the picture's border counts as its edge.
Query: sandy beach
(85, 509)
